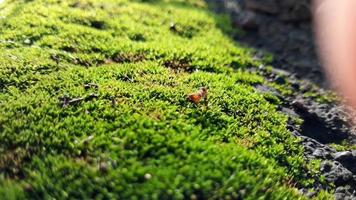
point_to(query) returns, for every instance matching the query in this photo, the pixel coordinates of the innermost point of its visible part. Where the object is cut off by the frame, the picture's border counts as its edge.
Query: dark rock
(353, 153)
(289, 112)
(300, 105)
(266, 89)
(347, 159)
(295, 86)
(296, 133)
(319, 153)
(340, 195)
(326, 167)
(280, 80)
(345, 193)
(314, 149)
(343, 156)
(284, 29)
(295, 10)
(335, 173)
(340, 189)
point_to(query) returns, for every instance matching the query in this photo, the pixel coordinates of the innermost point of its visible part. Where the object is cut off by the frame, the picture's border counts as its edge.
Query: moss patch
(93, 103)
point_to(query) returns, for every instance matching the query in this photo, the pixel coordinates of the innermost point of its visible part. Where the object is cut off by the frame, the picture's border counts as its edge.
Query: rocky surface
(281, 27)
(284, 29)
(324, 123)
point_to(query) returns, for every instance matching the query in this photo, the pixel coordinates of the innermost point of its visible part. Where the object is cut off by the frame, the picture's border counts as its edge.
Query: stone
(335, 173)
(295, 86)
(318, 153)
(339, 196)
(280, 80)
(295, 10)
(347, 159)
(300, 105)
(343, 156)
(353, 153)
(345, 193)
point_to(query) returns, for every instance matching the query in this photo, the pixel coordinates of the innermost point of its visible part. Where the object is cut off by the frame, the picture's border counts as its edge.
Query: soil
(284, 29)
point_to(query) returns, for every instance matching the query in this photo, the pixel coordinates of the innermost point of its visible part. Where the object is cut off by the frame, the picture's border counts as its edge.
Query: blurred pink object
(336, 32)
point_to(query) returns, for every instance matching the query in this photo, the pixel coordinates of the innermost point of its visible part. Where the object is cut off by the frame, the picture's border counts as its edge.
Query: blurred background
(281, 27)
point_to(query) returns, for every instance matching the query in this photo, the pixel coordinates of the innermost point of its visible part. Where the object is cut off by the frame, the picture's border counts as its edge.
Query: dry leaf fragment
(201, 94)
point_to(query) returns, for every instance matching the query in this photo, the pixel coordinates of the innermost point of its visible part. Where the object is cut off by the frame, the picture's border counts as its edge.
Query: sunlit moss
(94, 93)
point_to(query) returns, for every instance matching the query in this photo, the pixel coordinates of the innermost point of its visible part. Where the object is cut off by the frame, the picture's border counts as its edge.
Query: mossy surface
(93, 105)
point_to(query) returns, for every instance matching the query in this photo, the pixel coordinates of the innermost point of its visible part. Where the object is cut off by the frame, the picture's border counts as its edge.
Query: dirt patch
(11, 161)
(82, 5)
(182, 30)
(179, 65)
(97, 24)
(126, 58)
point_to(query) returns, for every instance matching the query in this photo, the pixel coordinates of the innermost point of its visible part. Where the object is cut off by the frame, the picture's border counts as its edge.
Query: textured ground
(284, 29)
(281, 27)
(94, 104)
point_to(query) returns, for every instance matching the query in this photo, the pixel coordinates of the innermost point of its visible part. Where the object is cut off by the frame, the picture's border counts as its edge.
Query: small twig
(66, 101)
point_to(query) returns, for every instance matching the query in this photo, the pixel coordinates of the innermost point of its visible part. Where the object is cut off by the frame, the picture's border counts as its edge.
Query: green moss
(10, 190)
(322, 97)
(324, 195)
(343, 146)
(94, 97)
